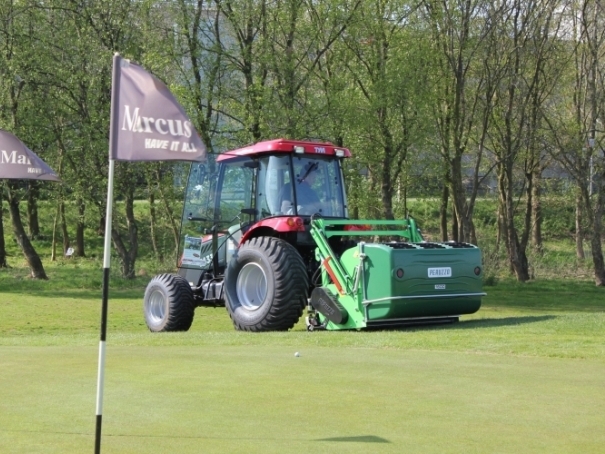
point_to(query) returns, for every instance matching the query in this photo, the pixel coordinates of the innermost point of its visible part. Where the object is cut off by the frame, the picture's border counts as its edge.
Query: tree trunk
(466, 229)
(60, 216)
(173, 225)
(101, 227)
(597, 259)
(32, 209)
(35, 264)
(405, 199)
(579, 228)
(53, 245)
(527, 221)
(455, 225)
(500, 232)
(594, 109)
(80, 227)
(128, 256)
(64, 232)
(152, 224)
(445, 196)
(3, 263)
(516, 254)
(127, 265)
(536, 210)
(596, 233)
(517, 257)
(386, 195)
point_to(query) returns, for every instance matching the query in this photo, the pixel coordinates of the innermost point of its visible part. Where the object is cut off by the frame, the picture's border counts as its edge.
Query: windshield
(300, 185)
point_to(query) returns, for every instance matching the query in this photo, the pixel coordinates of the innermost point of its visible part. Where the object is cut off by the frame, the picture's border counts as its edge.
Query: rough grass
(556, 260)
(545, 318)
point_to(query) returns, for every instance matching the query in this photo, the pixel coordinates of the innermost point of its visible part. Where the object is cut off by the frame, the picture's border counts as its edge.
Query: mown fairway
(524, 374)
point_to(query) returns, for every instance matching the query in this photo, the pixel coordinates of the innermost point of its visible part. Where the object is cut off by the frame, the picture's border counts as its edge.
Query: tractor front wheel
(168, 303)
(266, 286)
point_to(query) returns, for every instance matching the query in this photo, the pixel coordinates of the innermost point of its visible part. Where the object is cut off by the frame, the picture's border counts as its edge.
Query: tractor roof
(286, 146)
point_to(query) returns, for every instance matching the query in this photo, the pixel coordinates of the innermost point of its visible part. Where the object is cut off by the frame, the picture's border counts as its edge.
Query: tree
(78, 80)
(272, 51)
(383, 62)
(576, 122)
(458, 31)
(18, 23)
(522, 82)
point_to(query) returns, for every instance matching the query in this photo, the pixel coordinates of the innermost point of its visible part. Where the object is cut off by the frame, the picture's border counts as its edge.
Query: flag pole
(115, 90)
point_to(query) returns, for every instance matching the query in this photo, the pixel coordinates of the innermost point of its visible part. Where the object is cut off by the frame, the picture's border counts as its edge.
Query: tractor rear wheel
(266, 286)
(168, 303)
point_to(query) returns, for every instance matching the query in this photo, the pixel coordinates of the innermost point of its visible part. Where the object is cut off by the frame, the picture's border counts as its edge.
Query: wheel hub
(157, 306)
(251, 286)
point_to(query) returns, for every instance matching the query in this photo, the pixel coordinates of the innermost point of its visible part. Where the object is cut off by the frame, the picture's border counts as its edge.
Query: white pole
(115, 90)
(106, 267)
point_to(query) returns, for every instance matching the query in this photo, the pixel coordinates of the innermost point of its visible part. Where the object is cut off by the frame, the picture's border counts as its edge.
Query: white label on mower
(440, 272)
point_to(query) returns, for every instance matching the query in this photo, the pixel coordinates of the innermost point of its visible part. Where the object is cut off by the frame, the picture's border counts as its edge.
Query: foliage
(557, 259)
(429, 96)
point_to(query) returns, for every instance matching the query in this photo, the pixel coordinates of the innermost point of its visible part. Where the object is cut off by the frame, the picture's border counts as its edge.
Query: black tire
(168, 304)
(266, 286)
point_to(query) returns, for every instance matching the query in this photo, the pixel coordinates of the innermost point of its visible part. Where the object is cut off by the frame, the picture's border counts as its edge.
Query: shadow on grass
(471, 324)
(497, 322)
(360, 439)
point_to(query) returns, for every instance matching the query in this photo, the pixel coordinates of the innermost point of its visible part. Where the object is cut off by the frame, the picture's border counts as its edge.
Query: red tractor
(265, 232)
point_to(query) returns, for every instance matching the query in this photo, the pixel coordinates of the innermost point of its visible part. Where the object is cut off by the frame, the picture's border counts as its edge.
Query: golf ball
(296, 354)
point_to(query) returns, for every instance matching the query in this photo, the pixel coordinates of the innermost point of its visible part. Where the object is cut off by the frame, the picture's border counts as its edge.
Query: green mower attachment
(402, 281)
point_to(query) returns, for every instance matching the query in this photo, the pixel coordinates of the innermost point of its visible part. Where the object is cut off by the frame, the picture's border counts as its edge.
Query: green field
(524, 374)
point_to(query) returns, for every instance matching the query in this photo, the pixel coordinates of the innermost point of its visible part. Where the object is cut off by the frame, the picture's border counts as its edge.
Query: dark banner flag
(150, 125)
(17, 162)
(147, 124)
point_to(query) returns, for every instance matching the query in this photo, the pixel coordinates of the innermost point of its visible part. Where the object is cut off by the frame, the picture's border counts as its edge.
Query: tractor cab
(269, 189)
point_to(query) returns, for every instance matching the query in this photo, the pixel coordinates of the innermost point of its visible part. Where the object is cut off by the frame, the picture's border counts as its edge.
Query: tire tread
(290, 291)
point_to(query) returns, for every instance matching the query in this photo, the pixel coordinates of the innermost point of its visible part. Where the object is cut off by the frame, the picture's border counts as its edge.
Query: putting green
(263, 399)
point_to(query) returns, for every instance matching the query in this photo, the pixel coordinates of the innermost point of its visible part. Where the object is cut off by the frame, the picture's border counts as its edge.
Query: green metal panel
(419, 293)
(354, 309)
(380, 283)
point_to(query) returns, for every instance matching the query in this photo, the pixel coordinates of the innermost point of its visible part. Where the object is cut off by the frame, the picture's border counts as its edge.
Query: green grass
(247, 399)
(525, 374)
